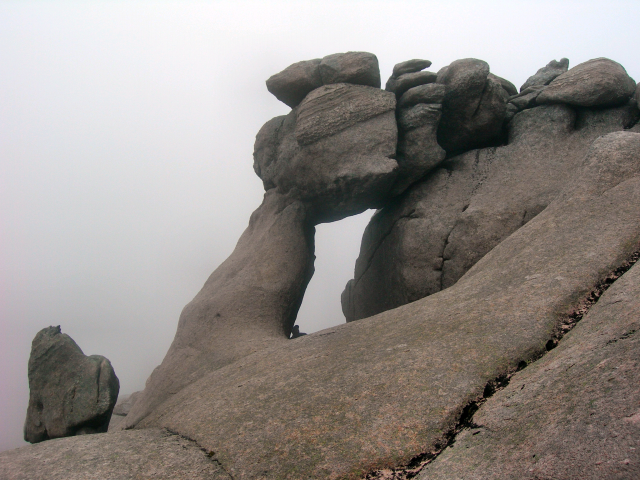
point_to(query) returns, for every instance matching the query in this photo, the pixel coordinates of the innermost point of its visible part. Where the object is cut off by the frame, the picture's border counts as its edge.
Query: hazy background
(126, 140)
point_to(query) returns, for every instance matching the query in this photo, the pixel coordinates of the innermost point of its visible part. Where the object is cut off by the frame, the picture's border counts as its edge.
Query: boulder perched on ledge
(70, 393)
(474, 106)
(596, 83)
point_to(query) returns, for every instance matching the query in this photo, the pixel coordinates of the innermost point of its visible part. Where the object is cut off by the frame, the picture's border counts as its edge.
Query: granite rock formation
(597, 83)
(70, 393)
(426, 239)
(472, 272)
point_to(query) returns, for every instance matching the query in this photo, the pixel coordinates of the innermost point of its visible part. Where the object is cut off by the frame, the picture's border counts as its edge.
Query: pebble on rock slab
(70, 393)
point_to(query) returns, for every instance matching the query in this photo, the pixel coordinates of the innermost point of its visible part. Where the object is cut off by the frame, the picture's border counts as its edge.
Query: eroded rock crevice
(466, 420)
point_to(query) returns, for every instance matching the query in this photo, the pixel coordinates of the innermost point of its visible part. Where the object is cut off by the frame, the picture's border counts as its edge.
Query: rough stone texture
(572, 414)
(409, 80)
(70, 393)
(545, 75)
(509, 87)
(527, 98)
(145, 454)
(250, 302)
(474, 106)
(358, 68)
(335, 152)
(333, 108)
(418, 149)
(429, 93)
(410, 66)
(125, 402)
(116, 423)
(596, 83)
(377, 392)
(291, 85)
(427, 239)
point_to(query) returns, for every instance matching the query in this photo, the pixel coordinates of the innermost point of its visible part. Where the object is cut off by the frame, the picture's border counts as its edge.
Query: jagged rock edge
(565, 324)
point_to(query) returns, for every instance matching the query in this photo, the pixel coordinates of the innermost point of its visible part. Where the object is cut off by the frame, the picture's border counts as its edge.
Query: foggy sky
(126, 142)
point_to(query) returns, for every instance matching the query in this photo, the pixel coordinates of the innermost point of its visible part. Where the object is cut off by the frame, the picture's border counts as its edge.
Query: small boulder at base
(546, 75)
(291, 85)
(596, 83)
(71, 393)
(358, 68)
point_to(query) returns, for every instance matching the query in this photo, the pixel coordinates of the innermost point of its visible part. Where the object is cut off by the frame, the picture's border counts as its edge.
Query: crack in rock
(565, 324)
(209, 453)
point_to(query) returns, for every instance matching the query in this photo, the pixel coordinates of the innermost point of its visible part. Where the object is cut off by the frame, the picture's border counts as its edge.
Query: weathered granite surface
(574, 414)
(140, 454)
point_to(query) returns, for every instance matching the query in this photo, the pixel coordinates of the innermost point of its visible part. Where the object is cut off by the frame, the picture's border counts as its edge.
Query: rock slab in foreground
(572, 414)
(70, 393)
(376, 393)
(141, 455)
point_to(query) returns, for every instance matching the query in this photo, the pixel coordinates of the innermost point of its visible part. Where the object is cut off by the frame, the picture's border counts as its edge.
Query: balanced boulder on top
(292, 84)
(474, 106)
(596, 83)
(71, 393)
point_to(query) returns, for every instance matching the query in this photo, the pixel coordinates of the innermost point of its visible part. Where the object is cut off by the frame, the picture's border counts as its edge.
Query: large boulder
(291, 85)
(572, 414)
(70, 393)
(546, 74)
(249, 302)
(428, 238)
(596, 83)
(335, 152)
(381, 391)
(474, 106)
(358, 68)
